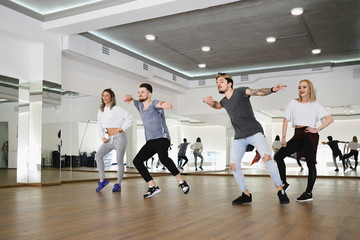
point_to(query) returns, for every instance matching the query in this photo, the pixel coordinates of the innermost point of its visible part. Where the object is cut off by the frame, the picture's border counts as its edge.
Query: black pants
(300, 141)
(354, 153)
(151, 147)
(179, 161)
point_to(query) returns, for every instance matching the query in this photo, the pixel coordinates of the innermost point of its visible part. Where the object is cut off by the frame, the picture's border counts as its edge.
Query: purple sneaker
(102, 185)
(116, 188)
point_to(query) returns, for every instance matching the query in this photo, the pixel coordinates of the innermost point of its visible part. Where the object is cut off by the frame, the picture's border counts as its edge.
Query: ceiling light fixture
(202, 65)
(271, 39)
(316, 51)
(297, 11)
(150, 37)
(205, 48)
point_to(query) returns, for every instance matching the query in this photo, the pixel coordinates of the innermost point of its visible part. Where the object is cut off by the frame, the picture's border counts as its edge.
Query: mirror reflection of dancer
(354, 147)
(303, 113)
(5, 150)
(157, 138)
(336, 152)
(182, 154)
(116, 120)
(247, 131)
(198, 148)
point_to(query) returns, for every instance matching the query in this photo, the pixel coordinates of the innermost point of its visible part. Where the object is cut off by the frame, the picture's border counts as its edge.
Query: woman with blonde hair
(303, 112)
(354, 147)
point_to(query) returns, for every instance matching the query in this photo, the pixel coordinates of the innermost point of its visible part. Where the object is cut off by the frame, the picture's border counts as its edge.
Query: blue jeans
(238, 150)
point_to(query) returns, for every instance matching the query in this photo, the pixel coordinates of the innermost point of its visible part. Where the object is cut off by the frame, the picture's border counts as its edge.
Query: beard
(142, 99)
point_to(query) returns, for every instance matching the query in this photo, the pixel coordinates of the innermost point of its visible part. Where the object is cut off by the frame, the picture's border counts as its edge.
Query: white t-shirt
(354, 145)
(305, 114)
(113, 118)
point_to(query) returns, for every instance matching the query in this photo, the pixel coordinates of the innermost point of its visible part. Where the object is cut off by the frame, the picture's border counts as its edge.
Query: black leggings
(159, 146)
(179, 161)
(293, 145)
(354, 153)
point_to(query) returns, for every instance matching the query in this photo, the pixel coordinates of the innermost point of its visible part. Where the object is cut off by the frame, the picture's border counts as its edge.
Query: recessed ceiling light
(316, 51)
(297, 11)
(202, 65)
(150, 37)
(205, 48)
(271, 39)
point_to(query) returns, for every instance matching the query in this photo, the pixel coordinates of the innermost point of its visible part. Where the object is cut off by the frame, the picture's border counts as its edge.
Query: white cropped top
(354, 145)
(305, 114)
(113, 118)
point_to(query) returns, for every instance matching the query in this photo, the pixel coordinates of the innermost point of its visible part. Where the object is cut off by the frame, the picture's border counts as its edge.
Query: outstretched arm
(264, 91)
(129, 99)
(211, 102)
(164, 105)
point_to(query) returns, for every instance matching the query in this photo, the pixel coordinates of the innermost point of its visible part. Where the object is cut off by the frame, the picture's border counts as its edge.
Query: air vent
(244, 78)
(174, 77)
(105, 50)
(356, 73)
(201, 82)
(317, 69)
(145, 66)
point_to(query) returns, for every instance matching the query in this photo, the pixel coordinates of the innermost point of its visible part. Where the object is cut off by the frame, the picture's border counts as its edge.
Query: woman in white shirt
(115, 120)
(198, 148)
(303, 112)
(354, 147)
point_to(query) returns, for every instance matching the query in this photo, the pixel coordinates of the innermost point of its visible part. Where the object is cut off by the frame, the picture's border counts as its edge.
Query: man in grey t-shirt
(157, 138)
(247, 131)
(182, 154)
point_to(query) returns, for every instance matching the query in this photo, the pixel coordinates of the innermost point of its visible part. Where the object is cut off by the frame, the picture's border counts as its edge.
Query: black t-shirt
(334, 147)
(241, 114)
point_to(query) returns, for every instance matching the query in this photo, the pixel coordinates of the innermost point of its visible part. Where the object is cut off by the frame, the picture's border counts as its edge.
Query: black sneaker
(305, 197)
(242, 199)
(286, 187)
(283, 197)
(185, 187)
(152, 191)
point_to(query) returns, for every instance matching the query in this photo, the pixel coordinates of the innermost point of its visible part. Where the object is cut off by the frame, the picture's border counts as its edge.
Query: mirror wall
(9, 95)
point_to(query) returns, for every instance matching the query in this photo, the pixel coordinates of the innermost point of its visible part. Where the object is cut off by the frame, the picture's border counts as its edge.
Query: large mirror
(9, 92)
(51, 133)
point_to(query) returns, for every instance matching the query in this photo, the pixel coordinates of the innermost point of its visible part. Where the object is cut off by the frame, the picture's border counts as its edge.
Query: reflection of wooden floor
(76, 211)
(52, 175)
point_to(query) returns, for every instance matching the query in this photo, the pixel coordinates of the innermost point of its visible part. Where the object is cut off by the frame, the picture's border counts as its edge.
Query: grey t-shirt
(182, 150)
(241, 114)
(154, 120)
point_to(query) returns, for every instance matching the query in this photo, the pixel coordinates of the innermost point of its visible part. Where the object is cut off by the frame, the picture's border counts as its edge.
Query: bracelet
(272, 90)
(214, 105)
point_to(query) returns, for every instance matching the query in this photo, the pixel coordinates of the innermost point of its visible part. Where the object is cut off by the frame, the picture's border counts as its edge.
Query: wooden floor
(76, 211)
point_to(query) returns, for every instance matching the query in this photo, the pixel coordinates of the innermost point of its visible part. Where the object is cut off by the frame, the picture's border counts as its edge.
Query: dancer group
(303, 113)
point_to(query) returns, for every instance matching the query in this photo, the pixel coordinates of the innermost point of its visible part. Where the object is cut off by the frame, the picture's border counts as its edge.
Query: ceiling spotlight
(271, 39)
(205, 48)
(202, 65)
(297, 11)
(150, 37)
(316, 51)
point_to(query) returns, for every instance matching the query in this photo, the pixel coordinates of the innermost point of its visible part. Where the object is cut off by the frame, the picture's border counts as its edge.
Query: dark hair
(227, 77)
(113, 100)
(185, 139)
(330, 138)
(147, 86)
(198, 139)
(277, 138)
